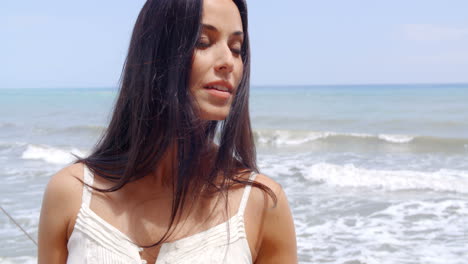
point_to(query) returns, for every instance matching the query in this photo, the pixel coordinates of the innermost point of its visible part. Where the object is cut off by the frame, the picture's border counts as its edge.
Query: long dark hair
(154, 113)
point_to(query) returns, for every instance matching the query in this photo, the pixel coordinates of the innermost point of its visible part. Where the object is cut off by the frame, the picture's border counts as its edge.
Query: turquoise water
(440, 111)
(374, 173)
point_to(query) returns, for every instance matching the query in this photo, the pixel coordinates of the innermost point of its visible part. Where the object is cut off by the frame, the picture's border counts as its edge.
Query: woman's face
(217, 63)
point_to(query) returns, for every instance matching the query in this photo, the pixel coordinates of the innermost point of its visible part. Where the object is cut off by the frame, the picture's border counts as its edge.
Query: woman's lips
(220, 89)
(218, 93)
(220, 85)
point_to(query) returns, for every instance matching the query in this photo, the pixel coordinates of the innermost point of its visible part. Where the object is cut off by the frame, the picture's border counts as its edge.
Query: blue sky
(52, 43)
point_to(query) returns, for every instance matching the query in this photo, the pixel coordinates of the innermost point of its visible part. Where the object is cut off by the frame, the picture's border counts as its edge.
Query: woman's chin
(214, 113)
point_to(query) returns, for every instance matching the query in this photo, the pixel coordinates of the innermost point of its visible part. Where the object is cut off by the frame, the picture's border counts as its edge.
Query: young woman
(174, 177)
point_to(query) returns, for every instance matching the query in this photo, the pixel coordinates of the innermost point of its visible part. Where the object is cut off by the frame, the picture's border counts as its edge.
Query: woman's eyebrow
(213, 28)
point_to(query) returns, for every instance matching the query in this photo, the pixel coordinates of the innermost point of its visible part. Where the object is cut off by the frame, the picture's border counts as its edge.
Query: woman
(157, 187)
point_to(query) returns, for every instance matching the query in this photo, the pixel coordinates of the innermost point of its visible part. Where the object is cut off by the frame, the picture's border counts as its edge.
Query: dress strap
(88, 178)
(245, 195)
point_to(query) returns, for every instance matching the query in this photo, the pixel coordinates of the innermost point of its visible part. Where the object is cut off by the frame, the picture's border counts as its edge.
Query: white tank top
(94, 240)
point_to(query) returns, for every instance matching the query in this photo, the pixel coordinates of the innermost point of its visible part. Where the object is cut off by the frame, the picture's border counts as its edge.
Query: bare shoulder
(60, 205)
(276, 241)
(64, 192)
(265, 199)
(268, 182)
(66, 185)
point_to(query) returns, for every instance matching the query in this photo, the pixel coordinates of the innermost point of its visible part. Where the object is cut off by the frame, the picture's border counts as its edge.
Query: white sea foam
(18, 260)
(292, 138)
(396, 138)
(284, 137)
(350, 176)
(415, 231)
(50, 154)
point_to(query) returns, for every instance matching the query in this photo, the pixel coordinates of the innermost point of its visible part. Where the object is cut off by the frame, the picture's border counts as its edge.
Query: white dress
(94, 240)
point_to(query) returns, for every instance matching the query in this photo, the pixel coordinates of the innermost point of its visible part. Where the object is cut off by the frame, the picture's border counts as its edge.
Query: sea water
(373, 173)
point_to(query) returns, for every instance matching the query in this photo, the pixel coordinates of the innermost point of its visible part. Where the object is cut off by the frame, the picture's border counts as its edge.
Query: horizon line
(268, 85)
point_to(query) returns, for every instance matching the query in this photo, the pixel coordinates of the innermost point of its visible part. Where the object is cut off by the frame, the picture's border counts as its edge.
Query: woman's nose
(225, 60)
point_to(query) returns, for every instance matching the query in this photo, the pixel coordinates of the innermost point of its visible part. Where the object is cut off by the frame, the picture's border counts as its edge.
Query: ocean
(373, 173)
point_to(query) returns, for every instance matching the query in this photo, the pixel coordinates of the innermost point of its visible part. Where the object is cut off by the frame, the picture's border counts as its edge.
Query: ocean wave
(292, 138)
(392, 180)
(16, 260)
(10, 145)
(78, 129)
(424, 231)
(85, 128)
(396, 138)
(50, 154)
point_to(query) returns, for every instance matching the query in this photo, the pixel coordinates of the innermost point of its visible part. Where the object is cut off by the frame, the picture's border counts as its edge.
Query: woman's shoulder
(67, 183)
(263, 193)
(60, 205)
(274, 223)
(63, 193)
(268, 181)
(265, 198)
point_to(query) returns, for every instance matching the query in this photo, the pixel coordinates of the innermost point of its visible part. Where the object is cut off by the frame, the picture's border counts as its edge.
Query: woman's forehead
(222, 14)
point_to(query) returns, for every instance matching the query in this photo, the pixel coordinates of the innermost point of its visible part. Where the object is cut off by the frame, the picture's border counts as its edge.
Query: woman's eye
(203, 43)
(236, 51)
(236, 48)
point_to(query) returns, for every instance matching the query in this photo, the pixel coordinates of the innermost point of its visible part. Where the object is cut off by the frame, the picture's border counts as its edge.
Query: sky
(83, 44)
